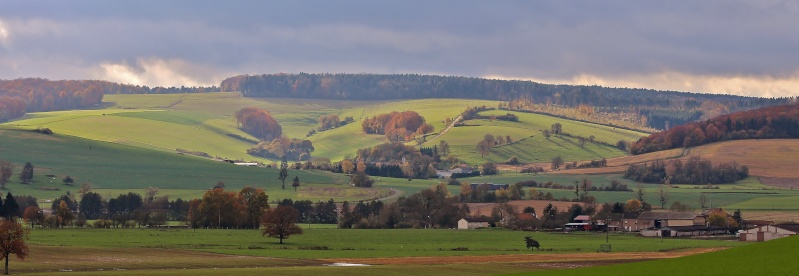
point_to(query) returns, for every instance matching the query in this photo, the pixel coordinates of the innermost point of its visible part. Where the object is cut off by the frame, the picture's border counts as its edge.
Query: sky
(733, 47)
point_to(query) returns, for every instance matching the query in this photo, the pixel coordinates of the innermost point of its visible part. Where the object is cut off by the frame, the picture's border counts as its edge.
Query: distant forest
(662, 108)
(35, 94)
(764, 123)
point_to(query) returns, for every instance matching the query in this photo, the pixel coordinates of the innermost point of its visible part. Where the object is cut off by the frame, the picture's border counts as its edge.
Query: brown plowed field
(774, 158)
(527, 258)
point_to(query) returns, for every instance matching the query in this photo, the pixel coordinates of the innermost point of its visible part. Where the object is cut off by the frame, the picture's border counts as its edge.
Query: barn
(765, 233)
(472, 223)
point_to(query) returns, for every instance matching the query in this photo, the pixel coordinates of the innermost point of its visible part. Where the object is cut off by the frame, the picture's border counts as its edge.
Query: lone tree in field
(281, 222)
(6, 170)
(27, 173)
(295, 183)
(68, 180)
(12, 241)
(532, 243)
(284, 172)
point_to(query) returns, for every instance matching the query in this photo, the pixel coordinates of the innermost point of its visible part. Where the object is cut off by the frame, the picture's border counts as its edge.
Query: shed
(663, 219)
(765, 233)
(472, 223)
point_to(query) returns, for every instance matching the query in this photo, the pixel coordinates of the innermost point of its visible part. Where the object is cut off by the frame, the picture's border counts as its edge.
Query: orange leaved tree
(281, 222)
(12, 241)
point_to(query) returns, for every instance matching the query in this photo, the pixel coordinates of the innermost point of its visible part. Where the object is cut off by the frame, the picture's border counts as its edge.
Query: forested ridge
(764, 123)
(663, 108)
(19, 96)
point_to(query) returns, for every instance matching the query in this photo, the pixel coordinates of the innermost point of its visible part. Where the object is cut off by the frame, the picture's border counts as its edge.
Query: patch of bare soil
(550, 259)
(788, 183)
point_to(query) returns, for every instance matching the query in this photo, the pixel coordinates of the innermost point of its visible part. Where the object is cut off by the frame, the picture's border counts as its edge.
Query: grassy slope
(119, 167)
(754, 259)
(531, 145)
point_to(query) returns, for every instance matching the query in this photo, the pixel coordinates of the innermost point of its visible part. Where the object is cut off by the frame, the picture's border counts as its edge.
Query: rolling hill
(204, 123)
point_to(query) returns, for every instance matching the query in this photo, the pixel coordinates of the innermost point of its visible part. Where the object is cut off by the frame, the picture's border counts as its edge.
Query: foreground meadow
(187, 251)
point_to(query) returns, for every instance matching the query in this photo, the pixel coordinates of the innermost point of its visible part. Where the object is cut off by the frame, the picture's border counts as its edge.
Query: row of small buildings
(666, 224)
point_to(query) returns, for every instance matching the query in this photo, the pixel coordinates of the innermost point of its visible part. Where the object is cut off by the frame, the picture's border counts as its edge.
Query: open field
(359, 243)
(531, 145)
(765, 258)
(112, 169)
(392, 252)
(767, 157)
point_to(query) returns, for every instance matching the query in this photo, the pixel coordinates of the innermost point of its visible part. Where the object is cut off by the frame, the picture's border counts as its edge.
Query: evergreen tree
(27, 173)
(11, 208)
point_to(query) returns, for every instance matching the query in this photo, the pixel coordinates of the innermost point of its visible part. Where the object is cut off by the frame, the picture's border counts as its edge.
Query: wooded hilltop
(662, 108)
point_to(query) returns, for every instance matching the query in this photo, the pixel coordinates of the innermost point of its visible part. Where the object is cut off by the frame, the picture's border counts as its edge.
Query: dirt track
(527, 258)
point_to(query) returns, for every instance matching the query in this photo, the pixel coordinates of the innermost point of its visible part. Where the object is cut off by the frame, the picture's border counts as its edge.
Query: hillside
(115, 168)
(660, 107)
(770, 158)
(764, 123)
(204, 122)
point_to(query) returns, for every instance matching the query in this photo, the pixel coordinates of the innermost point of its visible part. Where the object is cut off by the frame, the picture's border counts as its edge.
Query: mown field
(137, 251)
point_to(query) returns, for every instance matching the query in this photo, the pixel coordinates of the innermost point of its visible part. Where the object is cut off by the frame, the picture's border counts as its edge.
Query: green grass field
(532, 146)
(113, 168)
(186, 251)
(358, 243)
(766, 258)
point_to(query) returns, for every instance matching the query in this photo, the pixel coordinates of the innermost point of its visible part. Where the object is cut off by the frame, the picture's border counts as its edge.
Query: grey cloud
(545, 40)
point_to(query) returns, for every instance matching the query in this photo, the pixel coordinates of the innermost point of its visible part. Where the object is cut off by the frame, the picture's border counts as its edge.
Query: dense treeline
(430, 208)
(397, 126)
(764, 123)
(258, 123)
(324, 212)
(293, 149)
(694, 171)
(411, 86)
(416, 165)
(36, 94)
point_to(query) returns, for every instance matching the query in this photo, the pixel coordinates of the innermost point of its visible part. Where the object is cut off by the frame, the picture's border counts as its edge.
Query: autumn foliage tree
(254, 202)
(259, 123)
(281, 223)
(765, 123)
(397, 126)
(12, 241)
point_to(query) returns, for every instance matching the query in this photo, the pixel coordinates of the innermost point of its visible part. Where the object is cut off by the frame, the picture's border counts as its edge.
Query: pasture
(428, 251)
(113, 168)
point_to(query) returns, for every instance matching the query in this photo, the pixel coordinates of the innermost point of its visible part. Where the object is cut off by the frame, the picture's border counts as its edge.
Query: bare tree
(663, 196)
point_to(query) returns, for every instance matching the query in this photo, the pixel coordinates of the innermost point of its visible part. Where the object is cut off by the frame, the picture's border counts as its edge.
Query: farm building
(682, 231)
(765, 233)
(666, 219)
(582, 222)
(472, 223)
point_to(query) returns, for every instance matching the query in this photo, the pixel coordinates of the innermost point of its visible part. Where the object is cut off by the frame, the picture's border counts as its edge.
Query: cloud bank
(743, 48)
